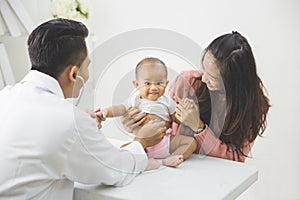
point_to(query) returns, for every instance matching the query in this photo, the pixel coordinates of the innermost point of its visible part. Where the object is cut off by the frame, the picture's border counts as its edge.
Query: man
(46, 143)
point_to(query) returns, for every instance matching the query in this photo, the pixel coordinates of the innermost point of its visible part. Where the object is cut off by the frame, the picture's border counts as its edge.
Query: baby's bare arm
(115, 111)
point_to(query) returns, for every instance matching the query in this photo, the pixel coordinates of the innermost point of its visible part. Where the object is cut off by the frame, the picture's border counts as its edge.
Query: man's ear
(135, 83)
(73, 71)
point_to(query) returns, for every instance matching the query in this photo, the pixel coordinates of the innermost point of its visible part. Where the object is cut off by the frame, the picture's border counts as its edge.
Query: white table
(196, 178)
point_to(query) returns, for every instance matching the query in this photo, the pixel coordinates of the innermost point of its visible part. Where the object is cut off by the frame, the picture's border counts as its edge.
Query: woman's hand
(151, 133)
(131, 123)
(187, 113)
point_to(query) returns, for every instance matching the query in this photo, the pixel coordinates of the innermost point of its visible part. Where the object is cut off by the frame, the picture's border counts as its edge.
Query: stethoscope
(81, 90)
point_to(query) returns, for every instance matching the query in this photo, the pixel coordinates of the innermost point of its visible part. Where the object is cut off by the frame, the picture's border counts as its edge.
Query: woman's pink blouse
(208, 143)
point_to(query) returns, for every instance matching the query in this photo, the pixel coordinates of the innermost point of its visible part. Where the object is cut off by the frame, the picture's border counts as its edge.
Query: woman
(224, 106)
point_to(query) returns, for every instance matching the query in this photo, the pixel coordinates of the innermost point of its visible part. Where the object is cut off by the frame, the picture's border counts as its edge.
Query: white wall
(272, 28)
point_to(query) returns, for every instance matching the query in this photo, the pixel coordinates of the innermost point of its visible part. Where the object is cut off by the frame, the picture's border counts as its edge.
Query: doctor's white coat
(47, 144)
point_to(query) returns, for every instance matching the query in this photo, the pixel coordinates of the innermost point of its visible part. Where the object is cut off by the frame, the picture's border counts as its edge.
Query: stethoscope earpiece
(82, 90)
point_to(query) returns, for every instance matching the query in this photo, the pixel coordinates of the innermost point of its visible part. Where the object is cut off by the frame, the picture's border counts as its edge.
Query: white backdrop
(272, 28)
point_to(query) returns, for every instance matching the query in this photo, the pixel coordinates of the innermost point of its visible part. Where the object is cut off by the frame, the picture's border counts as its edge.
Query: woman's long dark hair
(246, 103)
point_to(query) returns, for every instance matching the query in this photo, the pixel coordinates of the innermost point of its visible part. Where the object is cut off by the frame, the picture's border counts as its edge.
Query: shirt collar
(44, 81)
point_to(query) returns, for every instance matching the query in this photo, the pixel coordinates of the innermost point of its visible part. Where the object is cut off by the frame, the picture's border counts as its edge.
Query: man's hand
(151, 133)
(130, 123)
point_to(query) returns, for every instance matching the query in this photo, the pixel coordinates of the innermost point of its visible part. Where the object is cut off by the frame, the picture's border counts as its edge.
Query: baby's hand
(100, 116)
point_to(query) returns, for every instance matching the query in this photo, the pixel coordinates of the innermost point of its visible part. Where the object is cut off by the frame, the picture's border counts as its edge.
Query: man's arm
(92, 159)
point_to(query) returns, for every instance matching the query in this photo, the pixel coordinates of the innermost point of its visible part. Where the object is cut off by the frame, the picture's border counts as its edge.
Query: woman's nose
(204, 78)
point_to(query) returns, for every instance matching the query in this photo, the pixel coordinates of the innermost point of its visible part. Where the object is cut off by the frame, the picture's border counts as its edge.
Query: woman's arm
(185, 86)
(209, 144)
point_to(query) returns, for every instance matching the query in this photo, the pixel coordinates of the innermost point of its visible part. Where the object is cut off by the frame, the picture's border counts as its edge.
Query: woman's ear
(135, 83)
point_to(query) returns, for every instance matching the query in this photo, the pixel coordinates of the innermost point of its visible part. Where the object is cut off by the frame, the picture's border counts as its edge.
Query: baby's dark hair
(150, 60)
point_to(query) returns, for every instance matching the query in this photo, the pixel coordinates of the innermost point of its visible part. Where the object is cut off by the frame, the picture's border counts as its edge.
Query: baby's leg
(152, 164)
(173, 160)
(181, 147)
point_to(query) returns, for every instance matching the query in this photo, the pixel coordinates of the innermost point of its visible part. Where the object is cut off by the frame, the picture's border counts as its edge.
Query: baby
(151, 82)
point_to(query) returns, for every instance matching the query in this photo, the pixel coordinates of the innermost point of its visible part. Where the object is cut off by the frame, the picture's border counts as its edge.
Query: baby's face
(151, 81)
